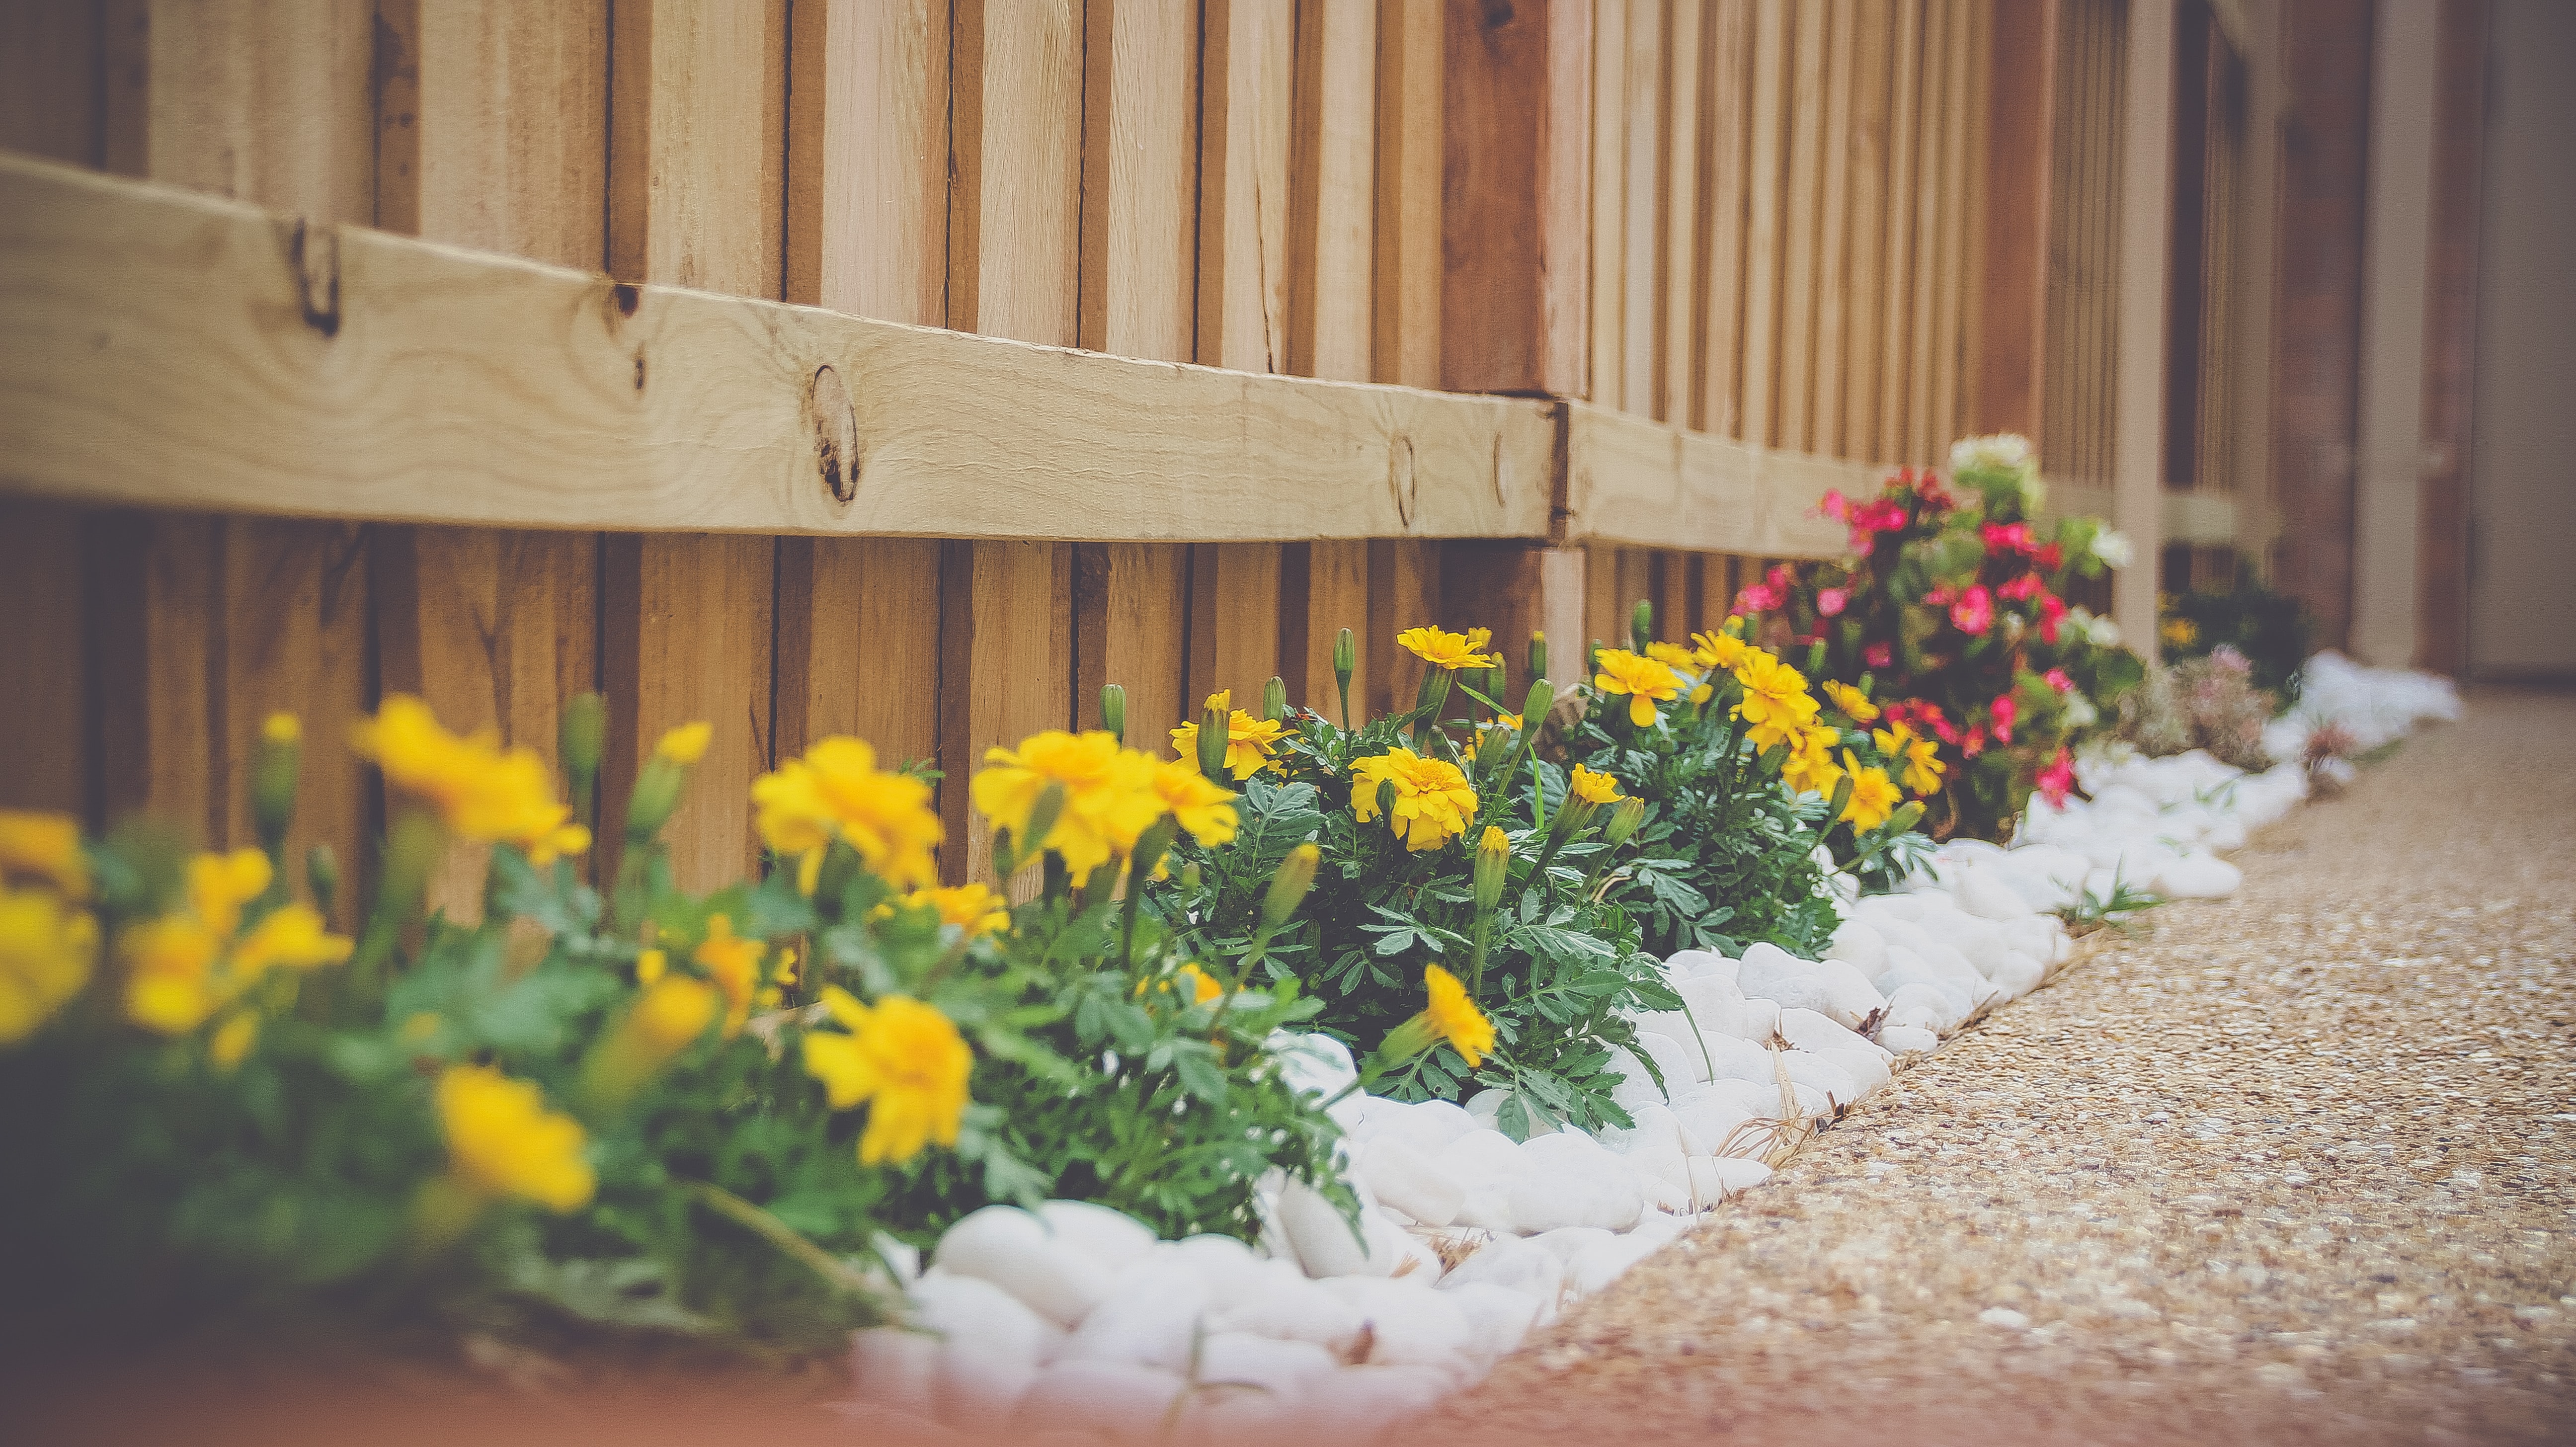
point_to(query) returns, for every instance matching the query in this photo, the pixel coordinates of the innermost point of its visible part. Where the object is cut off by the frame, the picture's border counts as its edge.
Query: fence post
(1515, 179)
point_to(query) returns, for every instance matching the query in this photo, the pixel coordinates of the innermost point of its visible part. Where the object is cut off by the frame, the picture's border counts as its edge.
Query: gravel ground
(2293, 1167)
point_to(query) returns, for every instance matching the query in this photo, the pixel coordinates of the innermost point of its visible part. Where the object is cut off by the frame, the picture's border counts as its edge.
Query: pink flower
(2058, 680)
(1974, 613)
(1939, 597)
(1974, 744)
(1830, 601)
(2019, 588)
(2006, 537)
(1878, 655)
(1756, 599)
(1835, 505)
(2050, 558)
(2057, 780)
(1779, 582)
(2005, 711)
(2051, 613)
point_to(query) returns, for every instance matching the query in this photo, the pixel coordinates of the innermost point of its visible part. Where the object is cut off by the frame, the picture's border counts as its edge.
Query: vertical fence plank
(1244, 122)
(1764, 225)
(1685, 279)
(1804, 196)
(696, 153)
(1404, 591)
(1825, 422)
(1323, 588)
(1516, 240)
(1014, 266)
(1896, 332)
(1642, 228)
(1726, 101)
(858, 645)
(1958, 198)
(1866, 259)
(50, 80)
(44, 739)
(1234, 621)
(1930, 139)
(1411, 62)
(1140, 185)
(1609, 201)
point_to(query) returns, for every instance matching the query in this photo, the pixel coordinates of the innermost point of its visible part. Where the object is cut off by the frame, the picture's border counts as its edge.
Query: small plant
(2093, 912)
(2270, 631)
(2210, 702)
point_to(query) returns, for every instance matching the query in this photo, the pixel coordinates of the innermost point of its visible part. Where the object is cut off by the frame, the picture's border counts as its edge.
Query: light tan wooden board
(390, 379)
(1637, 482)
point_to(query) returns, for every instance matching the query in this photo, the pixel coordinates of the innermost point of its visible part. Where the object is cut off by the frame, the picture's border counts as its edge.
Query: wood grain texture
(1131, 618)
(45, 741)
(1519, 238)
(858, 645)
(1727, 105)
(1802, 202)
(1139, 178)
(866, 210)
(1765, 226)
(1896, 328)
(1245, 110)
(1608, 322)
(1684, 279)
(152, 605)
(2011, 383)
(51, 66)
(1234, 622)
(1865, 273)
(461, 388)
(1015, 202)
(1404, 591)
(697, 143)
(1833, 237)
(1641, 228)
(1324, 588)
(1005, 637)
(2450, 338)
(1638, 482)
(1333, 190)
(1406, 230)
(513, 127)
(269, 103)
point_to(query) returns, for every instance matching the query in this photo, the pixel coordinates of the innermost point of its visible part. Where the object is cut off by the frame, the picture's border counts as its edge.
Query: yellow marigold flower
(2180, 632)
(1854, 703)
(1249, 741)
(1453, 651)
(1873, 797)
(1201, 985)
(972, 907)
(686, 744)
(1110, 795)
(1645, 682)
(232, 1040)
(220, 884)
(1204, 807)
(1920, 757)
(1593, 787)
(1510, 721)
(1454, 1018)
(1433, 800)
(649, 966)
(734, 964)
(502, 1141)
(902, 1058)
(1810, 767)
(47, 949)
(477, 790)
(1703, 692)
(169, 965)
(1719, 650)
(672, 1013)
(46, 846)
(292, 937)
(836, 791)
(1674, 657)
(282, 729)
(1776, 704)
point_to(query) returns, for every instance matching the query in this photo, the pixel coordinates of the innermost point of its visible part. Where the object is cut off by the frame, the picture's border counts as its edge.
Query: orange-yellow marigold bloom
(975, 908)
(1591, 786)
(836, 791)
(502, 1141)
(1204, 807)
(1776, 703)
(1854, 703)
(901, 1058)
(45, 846)
(1873, 797)
(1433, 800)
(1454, 1018)
(1644, 681)
(1110, 796)
(1249, 741)
(1443, 649)
(47, 949)
(477, 790)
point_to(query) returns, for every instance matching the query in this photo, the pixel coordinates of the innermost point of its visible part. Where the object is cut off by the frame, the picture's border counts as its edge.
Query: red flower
(2058, 680)
(2050, 558)
(2052, 611)
(1974, 744)
(1974, 613)
(1939, 597)
(2006, 537)
(1757, 599)
(1878, 655)
(1830, 601)
(2019, 588)
(2057, 780)
(2005, 711)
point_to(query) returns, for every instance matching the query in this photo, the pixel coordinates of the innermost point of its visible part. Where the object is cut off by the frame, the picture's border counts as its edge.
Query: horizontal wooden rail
(171, 349)
(1639, 482)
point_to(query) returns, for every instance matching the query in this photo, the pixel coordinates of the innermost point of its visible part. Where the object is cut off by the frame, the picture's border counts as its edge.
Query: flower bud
(1434, 694)
(1841, 800)
(1542, 697)
(1288, 887)
(275, 764)
(1495, 747)
(656, 794)
(1816, 659)
(1624, 821)
(584, 731)
(1905, 818)
(1572, 817)
(1538, 655)
(1274, 699)
(1346, 657)
(1641, 624)
(1113, 711)
(1493, 867)
(1215, 730)
(322, 876)
(1150, 848)
(1024, 846)
(1190, 877)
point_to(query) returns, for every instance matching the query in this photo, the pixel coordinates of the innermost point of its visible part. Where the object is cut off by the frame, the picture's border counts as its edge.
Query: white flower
(2007, 452)
(2080, 712)
(2103, 632)
(2113, 547)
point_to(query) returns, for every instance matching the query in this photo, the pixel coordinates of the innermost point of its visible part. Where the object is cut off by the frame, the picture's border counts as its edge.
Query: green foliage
(2269, 629)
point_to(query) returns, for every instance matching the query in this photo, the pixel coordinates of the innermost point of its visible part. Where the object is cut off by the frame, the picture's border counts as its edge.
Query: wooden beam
(388, 379)
(1633, 481)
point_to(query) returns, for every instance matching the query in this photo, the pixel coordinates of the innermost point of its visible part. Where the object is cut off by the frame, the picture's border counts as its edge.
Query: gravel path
(2295, 1167)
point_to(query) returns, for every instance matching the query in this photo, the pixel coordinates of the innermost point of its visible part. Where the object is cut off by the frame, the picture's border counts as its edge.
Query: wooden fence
(1703, 260)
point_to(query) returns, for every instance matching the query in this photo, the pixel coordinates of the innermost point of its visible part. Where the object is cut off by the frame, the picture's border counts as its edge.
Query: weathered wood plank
(1333, 190)
(1642, 228)
(858, 645)
(1411, 56)
(1637, 482)
(1519, 291)
(449, 387)
(44, 738)
(1608, 329)
(867, 159)
(1244, 122)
